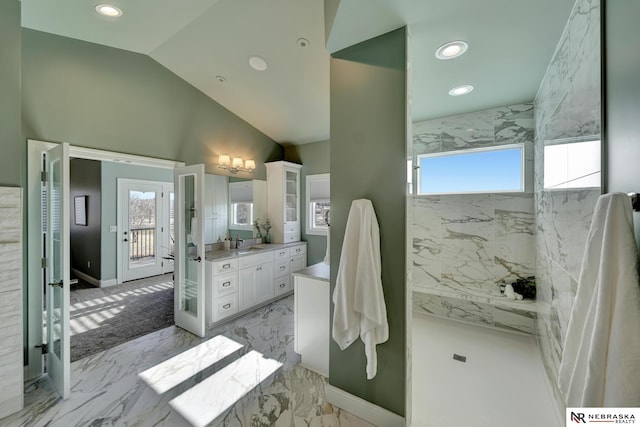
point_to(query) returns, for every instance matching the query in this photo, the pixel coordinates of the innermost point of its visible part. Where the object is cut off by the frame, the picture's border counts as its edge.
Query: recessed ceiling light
(451, 50)
(302, 42)
(108, 10)
(257, 63)
(460, 90)
(221, 79)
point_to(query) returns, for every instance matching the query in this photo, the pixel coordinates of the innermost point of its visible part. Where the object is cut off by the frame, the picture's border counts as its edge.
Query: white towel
(358, 296)
(601, 357)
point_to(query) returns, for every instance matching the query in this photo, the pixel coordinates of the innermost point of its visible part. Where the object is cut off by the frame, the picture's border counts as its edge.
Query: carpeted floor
(102, 318)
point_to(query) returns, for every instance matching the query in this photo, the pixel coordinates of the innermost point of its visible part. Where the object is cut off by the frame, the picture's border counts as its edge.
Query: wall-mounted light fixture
(236, 165)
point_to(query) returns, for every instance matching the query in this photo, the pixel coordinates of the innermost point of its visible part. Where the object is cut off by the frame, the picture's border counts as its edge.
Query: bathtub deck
(501, 384)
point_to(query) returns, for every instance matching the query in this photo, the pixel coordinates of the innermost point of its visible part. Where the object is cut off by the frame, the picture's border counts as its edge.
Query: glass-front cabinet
(283, 201)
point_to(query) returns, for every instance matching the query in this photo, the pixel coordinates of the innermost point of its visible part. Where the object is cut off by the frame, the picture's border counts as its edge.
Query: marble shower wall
(11, 398)
(567, 106)
(463, 245)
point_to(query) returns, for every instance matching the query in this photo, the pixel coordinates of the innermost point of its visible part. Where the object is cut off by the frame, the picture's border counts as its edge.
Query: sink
(247, 250)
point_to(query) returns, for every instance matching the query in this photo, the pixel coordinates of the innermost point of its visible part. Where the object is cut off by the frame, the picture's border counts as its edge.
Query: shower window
(572, 163)
(481, 170)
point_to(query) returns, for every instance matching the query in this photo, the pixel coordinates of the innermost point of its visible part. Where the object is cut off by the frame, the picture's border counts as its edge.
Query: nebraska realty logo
(601, 415)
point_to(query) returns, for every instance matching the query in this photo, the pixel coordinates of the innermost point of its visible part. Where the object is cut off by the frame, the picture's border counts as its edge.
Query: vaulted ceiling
(208, 43)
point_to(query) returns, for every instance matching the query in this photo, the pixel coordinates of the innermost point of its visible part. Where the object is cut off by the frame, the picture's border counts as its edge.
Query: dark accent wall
(369, 160)
(100, 97)
(621, 124)
(314, 158)
(85, 178)
(12, 161)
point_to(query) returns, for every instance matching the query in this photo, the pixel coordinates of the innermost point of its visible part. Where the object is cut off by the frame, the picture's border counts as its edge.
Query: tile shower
(463, 245)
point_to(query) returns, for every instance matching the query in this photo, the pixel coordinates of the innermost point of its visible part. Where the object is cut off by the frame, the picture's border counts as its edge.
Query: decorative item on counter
(256, 225)
(267, 227)
(227, 242)
(520, 288)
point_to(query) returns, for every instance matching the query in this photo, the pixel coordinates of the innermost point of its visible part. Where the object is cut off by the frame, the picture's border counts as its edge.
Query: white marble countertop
(320, 271)
(221, 254)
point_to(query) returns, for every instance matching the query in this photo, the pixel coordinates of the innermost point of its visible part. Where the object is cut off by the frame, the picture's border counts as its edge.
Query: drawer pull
(282, 267)
(281, 253)
(227, 306)
(226, 284)
(226, 266)
(298, 250)
(282, 285)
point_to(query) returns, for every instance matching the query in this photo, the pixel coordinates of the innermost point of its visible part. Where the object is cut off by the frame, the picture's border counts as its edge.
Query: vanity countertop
(320, 271)
(221, 254)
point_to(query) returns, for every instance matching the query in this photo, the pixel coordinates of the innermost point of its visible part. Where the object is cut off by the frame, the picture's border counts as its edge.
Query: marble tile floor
(107, 391)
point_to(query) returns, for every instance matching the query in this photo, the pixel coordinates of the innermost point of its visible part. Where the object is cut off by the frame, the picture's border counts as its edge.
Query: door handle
(59, 284)
(196, 259)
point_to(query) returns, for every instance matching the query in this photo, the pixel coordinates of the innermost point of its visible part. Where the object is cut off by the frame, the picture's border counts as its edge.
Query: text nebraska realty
(603, 418)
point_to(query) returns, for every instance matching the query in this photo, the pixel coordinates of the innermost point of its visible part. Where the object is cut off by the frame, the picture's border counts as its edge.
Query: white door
(144, 226)
(189, 255)
(58, 268)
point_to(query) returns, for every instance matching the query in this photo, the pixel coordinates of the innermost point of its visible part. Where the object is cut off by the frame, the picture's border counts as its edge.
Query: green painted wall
(621, 127)
(314, 158)
(110, 174)
(12, 161)
(85, 180)
(368, 160)
(100, 97)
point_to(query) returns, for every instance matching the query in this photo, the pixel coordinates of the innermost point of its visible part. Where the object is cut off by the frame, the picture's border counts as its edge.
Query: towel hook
(635, 201)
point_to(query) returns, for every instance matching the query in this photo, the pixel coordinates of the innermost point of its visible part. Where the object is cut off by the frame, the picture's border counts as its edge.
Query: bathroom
(459, 247)
(551, 226)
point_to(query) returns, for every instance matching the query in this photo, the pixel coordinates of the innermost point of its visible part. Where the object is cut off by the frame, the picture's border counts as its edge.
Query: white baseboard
(95, 282)
(361, 408)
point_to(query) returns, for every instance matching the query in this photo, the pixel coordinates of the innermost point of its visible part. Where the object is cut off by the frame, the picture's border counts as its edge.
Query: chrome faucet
(238, 240)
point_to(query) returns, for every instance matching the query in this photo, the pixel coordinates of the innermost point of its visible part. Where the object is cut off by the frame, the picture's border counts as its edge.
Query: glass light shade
(224, 160)
(237, 162)
(250, 164)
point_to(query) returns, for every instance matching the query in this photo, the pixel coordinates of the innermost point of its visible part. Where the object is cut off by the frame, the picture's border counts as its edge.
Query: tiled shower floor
(501, 384)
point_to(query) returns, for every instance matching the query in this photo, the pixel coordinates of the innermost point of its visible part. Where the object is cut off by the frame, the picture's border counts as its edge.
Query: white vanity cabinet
(312, 322)
(237, 284)
(283, 201)
(221, 291)
(255, 279)
(282, 272)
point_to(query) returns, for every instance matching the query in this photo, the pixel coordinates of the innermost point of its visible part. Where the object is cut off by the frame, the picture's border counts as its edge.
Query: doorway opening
(40, 236)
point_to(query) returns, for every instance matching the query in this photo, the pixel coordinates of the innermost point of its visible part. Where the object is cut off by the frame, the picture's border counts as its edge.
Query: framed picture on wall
(80, 209)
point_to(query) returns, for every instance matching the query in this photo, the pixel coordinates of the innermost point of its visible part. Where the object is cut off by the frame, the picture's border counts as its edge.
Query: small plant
(256, 225)
(266, 225)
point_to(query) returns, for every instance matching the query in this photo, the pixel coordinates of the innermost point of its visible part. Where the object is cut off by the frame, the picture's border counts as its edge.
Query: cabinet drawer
(298, 250)
(225, 284)
(281, 253)
(225, 307)
(281, 267)
(282, 285)
(291, 237)
(251, 260)
(225, 266)
(291, 228)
